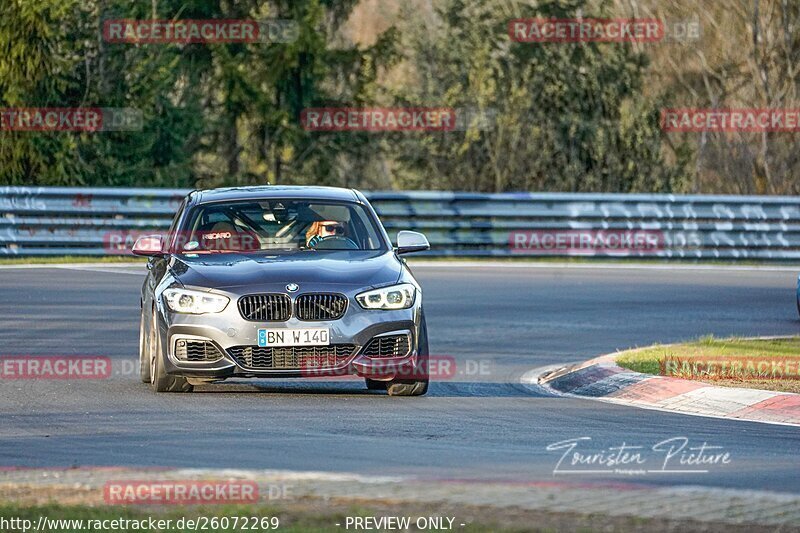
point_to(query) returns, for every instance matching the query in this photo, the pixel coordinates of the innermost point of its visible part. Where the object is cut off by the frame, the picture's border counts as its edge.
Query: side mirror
(411, 241)
(149, 246)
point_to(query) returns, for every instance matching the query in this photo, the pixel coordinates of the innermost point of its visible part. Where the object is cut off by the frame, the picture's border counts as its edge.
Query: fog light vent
(192, 350)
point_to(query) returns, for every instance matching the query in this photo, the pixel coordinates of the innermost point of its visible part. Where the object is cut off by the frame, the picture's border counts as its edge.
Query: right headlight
(395, 297)
(195, 302)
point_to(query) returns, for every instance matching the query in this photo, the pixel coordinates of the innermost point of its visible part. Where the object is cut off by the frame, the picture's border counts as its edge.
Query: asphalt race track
(472, 425)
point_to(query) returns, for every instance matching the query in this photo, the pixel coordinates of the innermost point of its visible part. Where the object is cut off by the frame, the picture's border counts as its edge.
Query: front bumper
(229, 330)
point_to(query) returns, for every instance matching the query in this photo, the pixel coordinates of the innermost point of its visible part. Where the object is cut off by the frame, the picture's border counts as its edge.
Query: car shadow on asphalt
(449, 389)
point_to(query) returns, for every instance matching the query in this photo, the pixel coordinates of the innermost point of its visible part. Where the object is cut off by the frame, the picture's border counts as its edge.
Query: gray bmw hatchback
(278, 282)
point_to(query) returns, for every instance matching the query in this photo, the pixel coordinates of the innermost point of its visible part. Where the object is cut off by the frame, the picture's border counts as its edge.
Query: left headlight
(195, 302)
(395, 297)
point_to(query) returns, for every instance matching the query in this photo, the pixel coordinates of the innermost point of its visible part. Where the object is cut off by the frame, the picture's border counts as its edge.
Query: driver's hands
(313, 241)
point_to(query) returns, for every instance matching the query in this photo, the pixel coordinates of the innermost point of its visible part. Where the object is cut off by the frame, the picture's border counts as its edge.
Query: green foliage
(212, 114)
(566, 117)
(33, 72)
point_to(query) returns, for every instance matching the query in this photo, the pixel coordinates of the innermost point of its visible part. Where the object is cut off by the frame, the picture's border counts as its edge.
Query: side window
(173, 228)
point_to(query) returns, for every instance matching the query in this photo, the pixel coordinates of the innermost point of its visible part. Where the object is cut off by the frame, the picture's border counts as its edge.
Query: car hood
(229, 270)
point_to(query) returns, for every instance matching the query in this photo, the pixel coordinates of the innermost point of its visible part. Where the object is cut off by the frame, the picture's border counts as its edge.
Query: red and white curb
(602, 379)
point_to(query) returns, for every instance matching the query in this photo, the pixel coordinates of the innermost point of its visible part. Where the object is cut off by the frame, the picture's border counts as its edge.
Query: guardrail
(78, 221)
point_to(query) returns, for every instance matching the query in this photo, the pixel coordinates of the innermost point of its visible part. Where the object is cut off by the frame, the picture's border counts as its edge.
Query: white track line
(84, 266)
(596, 266)
(479, 264)
(103, 269)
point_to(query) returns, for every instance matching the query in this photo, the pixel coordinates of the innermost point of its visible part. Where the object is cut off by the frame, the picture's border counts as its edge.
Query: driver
(322, 229)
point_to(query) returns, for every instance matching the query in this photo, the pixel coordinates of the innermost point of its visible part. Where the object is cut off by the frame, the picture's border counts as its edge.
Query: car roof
(261, 192)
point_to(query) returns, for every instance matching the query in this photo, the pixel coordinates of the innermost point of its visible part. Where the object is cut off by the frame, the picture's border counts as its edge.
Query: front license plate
(294, 337)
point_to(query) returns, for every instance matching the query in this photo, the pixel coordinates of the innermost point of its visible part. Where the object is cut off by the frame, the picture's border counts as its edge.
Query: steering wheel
(336, 242)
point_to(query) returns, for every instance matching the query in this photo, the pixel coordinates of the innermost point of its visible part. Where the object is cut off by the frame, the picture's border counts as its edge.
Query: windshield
(279, 224)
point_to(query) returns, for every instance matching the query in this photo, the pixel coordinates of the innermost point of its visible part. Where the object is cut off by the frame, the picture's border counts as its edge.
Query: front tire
(418, 387)
(160, 381)
(144, 353)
